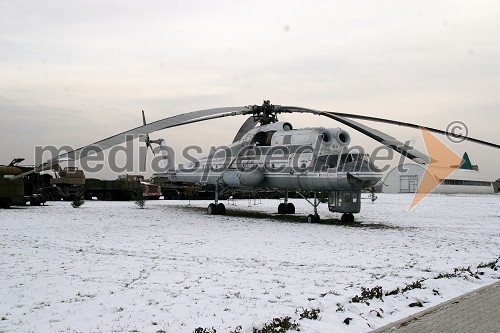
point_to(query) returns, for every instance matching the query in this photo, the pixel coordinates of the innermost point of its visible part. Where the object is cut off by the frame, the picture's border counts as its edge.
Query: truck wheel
(100, 196)
(171, 195)
(134, 195)
(108, 196)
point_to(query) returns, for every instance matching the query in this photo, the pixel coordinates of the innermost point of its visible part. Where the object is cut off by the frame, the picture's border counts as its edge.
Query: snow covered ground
(110, 266)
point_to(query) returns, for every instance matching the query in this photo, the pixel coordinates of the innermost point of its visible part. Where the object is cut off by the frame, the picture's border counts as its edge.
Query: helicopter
(267, 153)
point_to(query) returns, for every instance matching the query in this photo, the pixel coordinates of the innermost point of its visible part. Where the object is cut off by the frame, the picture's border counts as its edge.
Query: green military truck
(126, 187)
(11, 190)
(179, 190)
(70, 182)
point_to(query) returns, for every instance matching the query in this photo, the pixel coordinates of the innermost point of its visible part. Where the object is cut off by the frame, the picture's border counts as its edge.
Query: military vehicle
(11, 190)
(33, 184)
(126, 187)
(70, 182)
(176, 190)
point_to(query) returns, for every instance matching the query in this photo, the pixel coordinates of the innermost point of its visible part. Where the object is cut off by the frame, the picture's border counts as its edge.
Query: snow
(112, 267)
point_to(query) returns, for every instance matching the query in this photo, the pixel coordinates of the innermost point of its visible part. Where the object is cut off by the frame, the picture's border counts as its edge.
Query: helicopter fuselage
(277, 156)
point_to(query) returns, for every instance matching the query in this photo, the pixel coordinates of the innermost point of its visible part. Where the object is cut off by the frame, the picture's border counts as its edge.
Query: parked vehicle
(70, 182)
(11, 190)
(126, 187)
(176, 190)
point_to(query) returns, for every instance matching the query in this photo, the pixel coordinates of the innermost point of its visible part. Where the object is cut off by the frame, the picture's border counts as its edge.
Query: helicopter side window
(325, 162)
(263, 138)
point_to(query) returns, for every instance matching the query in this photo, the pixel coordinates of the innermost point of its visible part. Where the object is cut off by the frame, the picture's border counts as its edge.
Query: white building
(405, 179)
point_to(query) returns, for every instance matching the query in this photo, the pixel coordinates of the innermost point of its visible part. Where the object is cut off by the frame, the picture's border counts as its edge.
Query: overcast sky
(75, 72)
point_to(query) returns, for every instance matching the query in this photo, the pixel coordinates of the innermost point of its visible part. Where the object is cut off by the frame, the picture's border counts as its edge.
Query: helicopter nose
(364, 180)
(362, 165)
(361, 174)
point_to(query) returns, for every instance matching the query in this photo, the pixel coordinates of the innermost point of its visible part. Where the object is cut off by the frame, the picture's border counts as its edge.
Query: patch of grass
(492, 265)
(278, 325)
(312, 314)
(460, 271)
(204, 330)
(414, 285)
(367, 294)
(236, 330)
(140, 202)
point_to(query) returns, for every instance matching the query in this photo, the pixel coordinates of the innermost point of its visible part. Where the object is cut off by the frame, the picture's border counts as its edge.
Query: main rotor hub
(266, 113)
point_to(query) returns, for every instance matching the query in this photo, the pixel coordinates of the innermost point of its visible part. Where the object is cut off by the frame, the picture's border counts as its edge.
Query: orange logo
(443, 161)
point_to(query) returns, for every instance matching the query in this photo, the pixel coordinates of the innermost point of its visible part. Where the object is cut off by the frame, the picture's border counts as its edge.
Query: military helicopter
(267, 153)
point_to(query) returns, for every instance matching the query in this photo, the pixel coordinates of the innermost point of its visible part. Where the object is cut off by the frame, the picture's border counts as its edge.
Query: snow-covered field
(110, 266)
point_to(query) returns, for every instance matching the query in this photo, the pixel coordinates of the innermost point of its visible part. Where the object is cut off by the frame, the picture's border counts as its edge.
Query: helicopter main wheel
(347, 217)
(212, 209)
(313, 218)
(221, 209)
(282, 208)
(290, 208)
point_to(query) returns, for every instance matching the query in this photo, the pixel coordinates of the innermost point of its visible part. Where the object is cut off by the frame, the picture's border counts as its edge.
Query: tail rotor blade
(143, 118)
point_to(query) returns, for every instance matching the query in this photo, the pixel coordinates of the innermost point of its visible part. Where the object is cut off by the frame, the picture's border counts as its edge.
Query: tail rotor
(147, 141)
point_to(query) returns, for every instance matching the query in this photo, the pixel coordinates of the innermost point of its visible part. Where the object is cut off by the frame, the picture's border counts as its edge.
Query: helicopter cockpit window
(263, 138)
(346, 158)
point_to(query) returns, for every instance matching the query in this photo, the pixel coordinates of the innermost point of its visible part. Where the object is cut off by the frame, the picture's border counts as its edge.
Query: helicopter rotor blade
(410, 125)
(174, 121)
(265, 112)
(249, 124)
(382, 137)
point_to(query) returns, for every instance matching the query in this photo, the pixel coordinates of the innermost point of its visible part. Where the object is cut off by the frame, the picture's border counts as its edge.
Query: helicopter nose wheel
(217, 208)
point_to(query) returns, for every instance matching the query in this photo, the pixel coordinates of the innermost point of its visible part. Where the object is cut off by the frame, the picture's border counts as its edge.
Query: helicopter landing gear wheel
(212, 209)
(313, 218)
(347, 217)
(290, 208)
(221, 209)
(282, 208)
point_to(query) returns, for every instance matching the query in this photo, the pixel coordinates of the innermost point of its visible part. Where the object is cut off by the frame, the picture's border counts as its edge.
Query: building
(464, 179)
